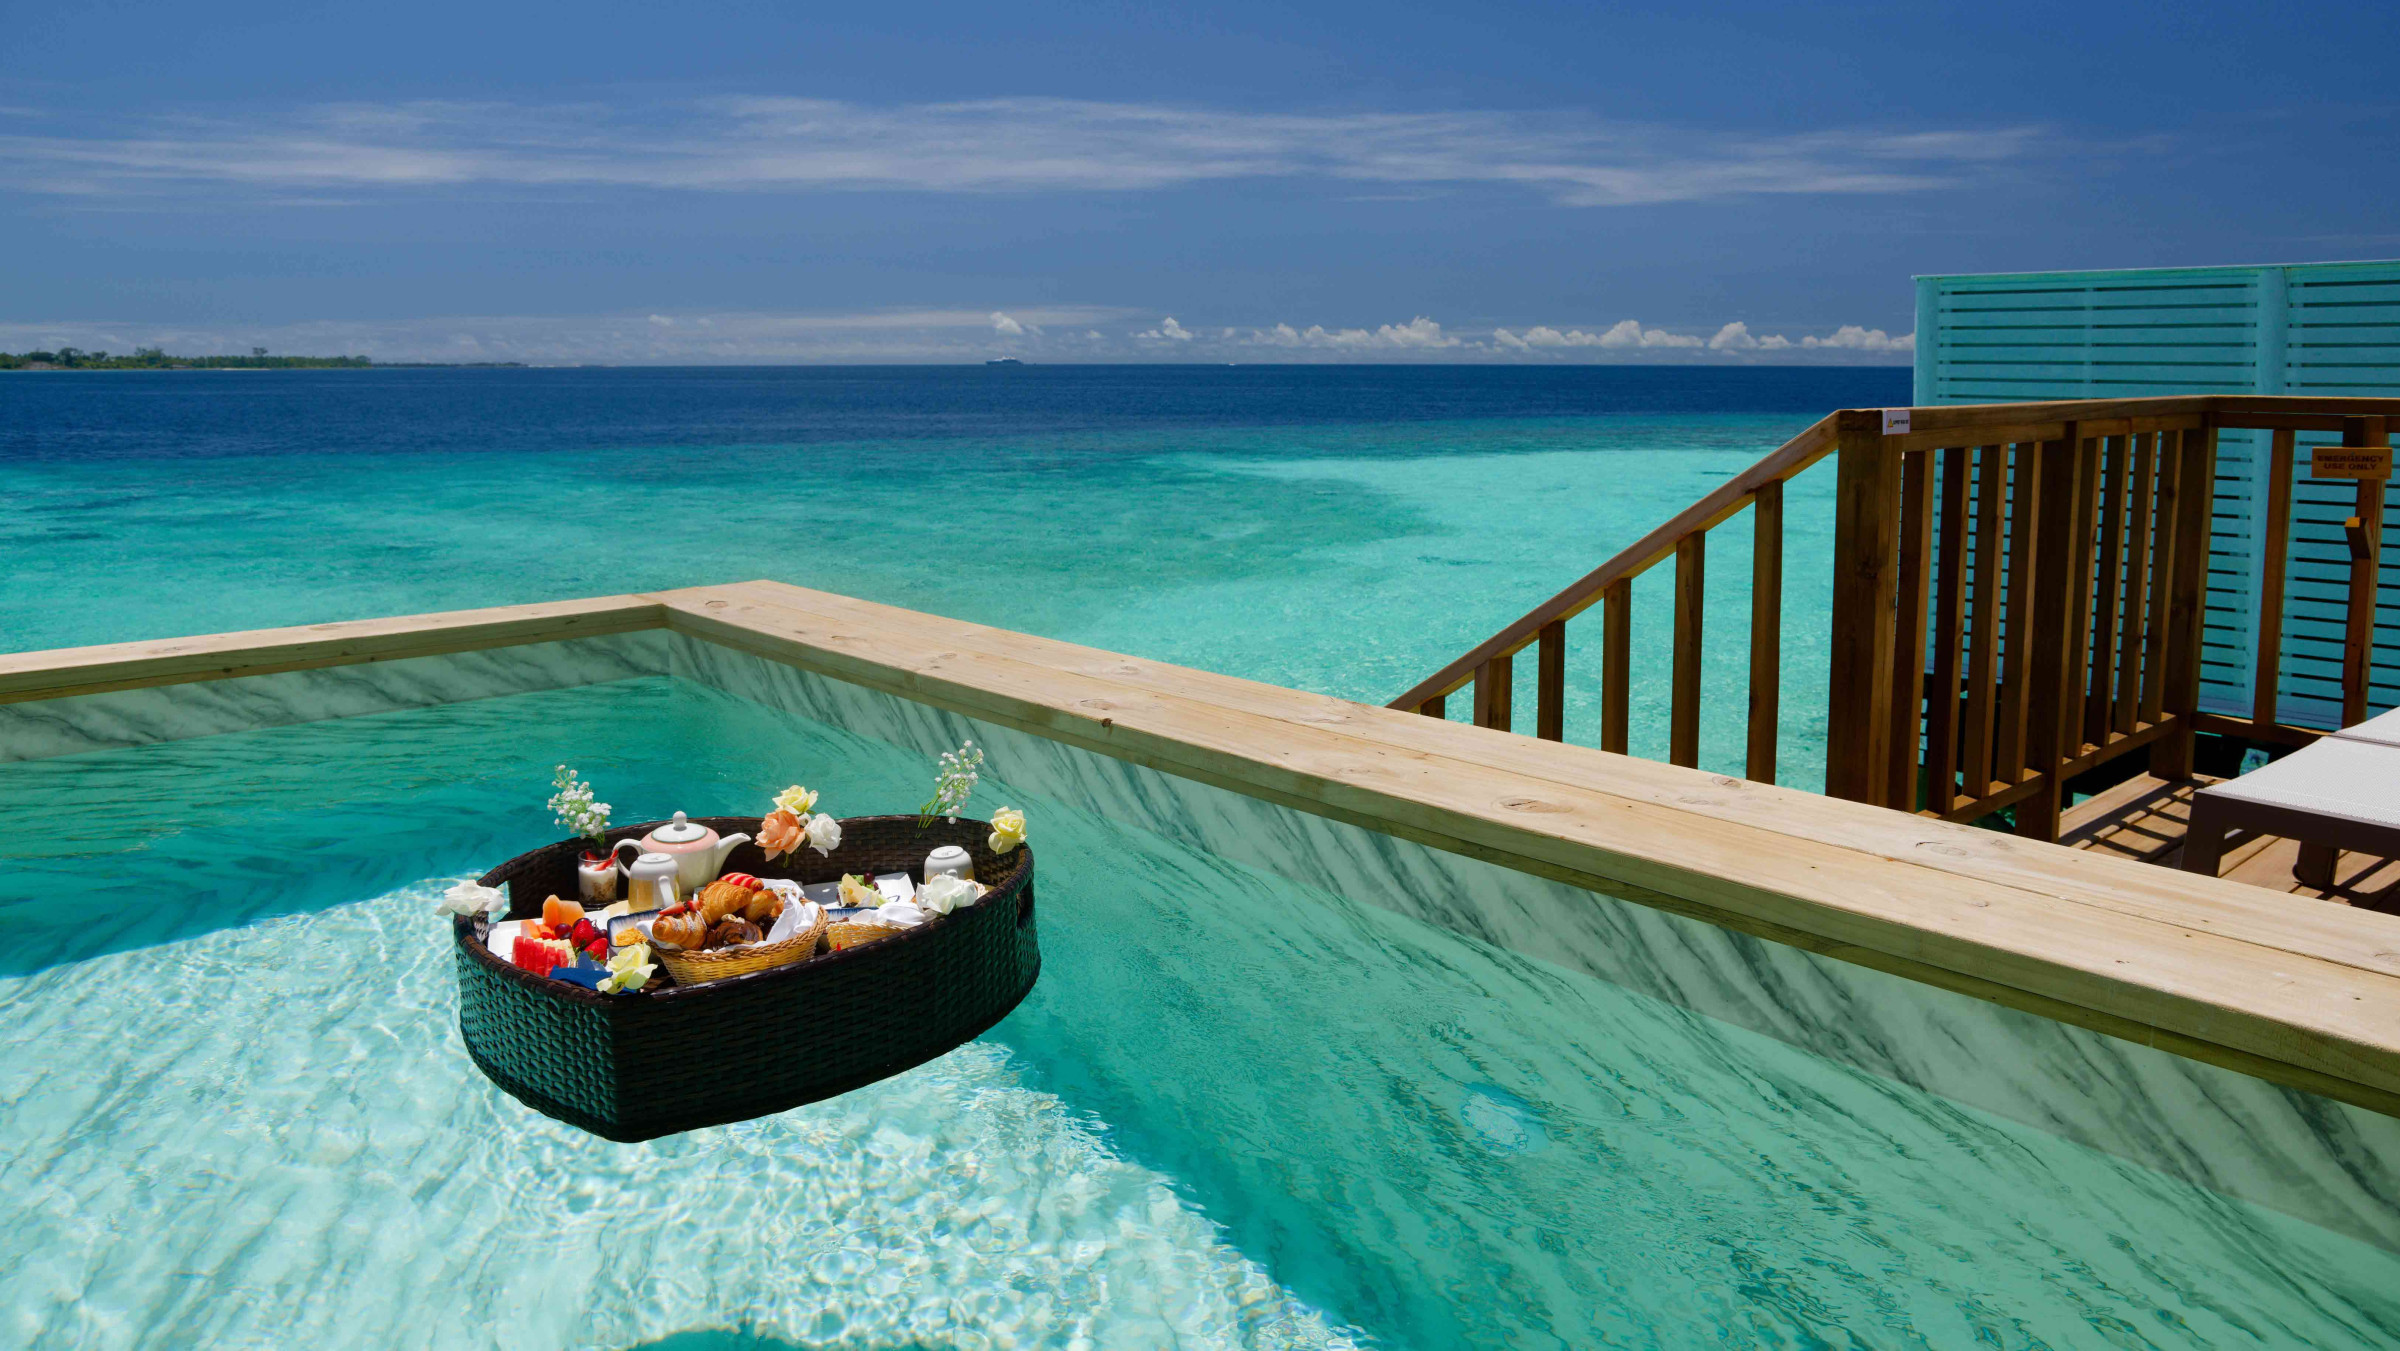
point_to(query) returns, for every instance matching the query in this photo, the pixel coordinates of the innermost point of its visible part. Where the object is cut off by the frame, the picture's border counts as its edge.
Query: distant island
(156, 359)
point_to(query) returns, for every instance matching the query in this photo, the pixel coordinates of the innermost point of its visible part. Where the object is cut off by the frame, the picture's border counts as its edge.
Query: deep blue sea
(1345, 529)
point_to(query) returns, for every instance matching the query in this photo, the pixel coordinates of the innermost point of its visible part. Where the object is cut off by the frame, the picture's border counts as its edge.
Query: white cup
(951, 861)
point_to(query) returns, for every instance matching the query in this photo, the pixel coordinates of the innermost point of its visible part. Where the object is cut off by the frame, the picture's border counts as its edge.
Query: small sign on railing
(2348, 461)
(1895, 421)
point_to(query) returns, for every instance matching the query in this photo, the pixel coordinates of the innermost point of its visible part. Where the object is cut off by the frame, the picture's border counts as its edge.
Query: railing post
(1616, 666)
(1766, 631)
(2276, 543)
(1908, 629)
(1691, 587)
(2194, 486)
(1865, 593)
(1550, 683)
(2061, 610)
(1491, 693)
(2366, 553)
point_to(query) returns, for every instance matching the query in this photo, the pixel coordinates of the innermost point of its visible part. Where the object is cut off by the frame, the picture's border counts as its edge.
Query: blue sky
(1236, 181)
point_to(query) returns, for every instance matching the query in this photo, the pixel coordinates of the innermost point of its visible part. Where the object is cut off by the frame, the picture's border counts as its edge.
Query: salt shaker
(950, 861)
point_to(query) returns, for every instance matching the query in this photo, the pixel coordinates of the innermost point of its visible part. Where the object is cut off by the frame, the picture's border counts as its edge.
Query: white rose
(469, 898)
(824, 834)
(945, 893)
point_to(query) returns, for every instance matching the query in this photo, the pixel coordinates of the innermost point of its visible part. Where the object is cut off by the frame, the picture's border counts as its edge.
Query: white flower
(1008, 830)
(629, 969)
(955, 782)
(824, 834)
(945, 893)
(574, 808)
(471, 898)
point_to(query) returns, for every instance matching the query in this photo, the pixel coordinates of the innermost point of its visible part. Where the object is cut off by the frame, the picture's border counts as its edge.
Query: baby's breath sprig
(953, 785)
(574, 807)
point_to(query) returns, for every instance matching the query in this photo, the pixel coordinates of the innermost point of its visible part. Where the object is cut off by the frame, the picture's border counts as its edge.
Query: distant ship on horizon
(1004, 361)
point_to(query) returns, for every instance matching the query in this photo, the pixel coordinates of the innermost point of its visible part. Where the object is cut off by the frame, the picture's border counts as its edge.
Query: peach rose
(780, 833)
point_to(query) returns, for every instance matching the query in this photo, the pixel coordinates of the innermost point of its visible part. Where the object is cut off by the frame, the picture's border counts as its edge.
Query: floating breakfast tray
(675, 1058)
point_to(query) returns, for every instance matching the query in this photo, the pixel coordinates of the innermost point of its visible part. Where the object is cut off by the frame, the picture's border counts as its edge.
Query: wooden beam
(62, 672)
(1550, 683)
(1865, 577)
(1766, 632)
(1436, 707)
(2135, 649)
(1691, 590)
(1492, 707)
(2275, 546)
(2108, 588)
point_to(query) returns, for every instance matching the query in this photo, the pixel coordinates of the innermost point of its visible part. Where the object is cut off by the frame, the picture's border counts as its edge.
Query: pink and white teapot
(699, 852)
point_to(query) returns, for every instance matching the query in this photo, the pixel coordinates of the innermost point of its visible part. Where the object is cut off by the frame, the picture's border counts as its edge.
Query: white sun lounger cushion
(2383, 729)
(2348, 779)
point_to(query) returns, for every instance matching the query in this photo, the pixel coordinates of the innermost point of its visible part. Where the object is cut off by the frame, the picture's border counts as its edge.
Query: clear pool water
(1236, 1112)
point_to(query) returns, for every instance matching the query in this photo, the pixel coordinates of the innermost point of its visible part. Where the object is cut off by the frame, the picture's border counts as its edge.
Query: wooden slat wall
(2329, 329)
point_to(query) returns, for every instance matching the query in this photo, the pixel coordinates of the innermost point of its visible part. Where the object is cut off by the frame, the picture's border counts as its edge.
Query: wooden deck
(2299, 994)
(2144, 819)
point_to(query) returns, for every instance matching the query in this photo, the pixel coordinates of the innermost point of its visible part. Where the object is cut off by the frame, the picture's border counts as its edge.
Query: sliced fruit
(560, 913)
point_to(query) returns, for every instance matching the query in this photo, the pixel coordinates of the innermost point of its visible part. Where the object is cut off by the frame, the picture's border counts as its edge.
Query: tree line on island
(156, 359)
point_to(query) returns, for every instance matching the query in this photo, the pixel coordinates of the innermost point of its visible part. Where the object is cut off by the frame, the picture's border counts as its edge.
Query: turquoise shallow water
(1345, 530)
(1235, 1112)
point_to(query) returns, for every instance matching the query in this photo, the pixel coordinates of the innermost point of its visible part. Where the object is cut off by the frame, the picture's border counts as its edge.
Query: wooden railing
(2018, 596)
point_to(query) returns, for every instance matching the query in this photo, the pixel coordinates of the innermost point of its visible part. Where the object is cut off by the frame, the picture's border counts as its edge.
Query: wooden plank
(1983, 639)
(2011, 746)
(62, 672)
(2187, 600)
(1791, 458)
(1616, 667)
(1766, 632)
(1550, 694)
(1492, 694)
(2250, 729)
(1691, 587)
(1948, 629)
(2108, 589)
(2062, 523)
(2135, 648)
(1908, 631)
(2275, 547)
(1865, 573)
(2082, 588)
(2358, 628)
(2185, 966)
(1436, 707)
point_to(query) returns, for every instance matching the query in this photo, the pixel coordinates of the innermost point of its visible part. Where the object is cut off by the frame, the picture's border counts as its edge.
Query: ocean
(1343, 529)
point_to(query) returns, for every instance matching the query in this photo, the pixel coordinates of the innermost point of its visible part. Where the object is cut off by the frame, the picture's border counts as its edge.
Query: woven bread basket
(699, 968)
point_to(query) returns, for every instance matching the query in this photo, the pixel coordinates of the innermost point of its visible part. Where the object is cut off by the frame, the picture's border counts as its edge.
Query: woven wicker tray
(675, 1058)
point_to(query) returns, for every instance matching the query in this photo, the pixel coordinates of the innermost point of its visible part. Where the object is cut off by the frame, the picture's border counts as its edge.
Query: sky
(1236, 181)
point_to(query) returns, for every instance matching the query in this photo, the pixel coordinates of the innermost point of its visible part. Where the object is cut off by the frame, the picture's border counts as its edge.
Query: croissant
(686, 930)
(723, 898)
(732, 930)
(765, 907)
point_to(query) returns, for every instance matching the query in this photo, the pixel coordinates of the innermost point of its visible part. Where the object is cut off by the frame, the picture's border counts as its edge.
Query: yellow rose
(796, 800)
(1008, 830)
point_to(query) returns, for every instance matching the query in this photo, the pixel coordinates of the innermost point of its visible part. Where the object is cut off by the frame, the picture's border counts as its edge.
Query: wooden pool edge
(2214, 971)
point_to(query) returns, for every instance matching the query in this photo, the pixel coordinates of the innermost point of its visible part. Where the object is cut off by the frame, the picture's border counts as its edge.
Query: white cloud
(960, 334)
(1851, 337)
(319, 154)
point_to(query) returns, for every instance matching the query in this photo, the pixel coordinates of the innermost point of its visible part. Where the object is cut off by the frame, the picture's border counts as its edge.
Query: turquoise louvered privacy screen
(2303, 328)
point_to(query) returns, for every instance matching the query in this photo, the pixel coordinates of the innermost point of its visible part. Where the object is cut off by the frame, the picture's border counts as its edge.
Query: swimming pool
(1239, 1109)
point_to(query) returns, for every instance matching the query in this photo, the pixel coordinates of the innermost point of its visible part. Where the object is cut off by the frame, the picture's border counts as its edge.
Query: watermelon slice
(541, 956)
